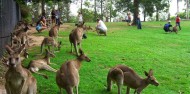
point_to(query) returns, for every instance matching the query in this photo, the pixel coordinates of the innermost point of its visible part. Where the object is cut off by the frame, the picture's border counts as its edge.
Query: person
(53, 18)
(129, 18)
(33, 19)
(80, 17)
(167, 27)
(41, 24)
(178, 22)
(138, 22)
(57, 16)
(101, 27)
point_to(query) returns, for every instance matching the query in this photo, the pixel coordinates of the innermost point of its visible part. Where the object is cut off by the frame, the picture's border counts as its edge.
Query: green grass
(149, 48)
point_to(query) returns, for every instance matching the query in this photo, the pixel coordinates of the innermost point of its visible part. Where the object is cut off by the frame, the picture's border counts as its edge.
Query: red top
(177, 19)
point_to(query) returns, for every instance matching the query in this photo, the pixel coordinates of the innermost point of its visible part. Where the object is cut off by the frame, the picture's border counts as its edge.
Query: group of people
(168, 25)
(41, 23)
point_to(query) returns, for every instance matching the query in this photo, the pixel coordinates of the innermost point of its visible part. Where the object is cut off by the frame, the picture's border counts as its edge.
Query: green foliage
(182, 15)
(88, 15)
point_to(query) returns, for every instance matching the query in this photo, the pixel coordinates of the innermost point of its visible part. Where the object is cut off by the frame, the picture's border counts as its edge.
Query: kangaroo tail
(47, 67)
(44, 75)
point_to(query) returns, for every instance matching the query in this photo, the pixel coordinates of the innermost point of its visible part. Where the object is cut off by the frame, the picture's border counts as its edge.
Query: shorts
(101, 29)
(38, 27)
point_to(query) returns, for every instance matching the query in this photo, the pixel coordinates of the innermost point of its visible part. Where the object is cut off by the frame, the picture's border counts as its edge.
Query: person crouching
(101, 27)
(167, 27)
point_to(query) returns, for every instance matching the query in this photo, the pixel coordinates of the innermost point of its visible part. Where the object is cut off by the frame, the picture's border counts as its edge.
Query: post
(177, 6)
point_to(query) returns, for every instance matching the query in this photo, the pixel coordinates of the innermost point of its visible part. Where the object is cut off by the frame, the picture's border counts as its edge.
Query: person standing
(178, 21)
(53, 18)
(138, 22)
(129, 18)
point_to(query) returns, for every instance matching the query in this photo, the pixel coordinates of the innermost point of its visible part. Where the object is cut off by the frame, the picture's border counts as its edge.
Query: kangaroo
(50, 41)
(68, 75)
(18, 79)
(21, 36)
(75, 37)
(43, 63)
(12, 50)
(54, 31)
(130, 79)
(175, 29)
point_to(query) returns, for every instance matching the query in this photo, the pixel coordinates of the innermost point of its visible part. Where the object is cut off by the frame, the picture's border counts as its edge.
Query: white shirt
(80, 18)
(102, 25)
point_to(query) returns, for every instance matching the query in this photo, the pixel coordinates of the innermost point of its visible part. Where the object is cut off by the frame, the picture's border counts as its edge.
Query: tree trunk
(144, 15)
(101, 10)
(67, 12)
(43, 10)
(95, 13)
(81, 6)
(157, 15)
(136, 11)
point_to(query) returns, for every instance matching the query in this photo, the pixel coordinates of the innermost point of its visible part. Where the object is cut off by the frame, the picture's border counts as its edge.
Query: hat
(169, 21)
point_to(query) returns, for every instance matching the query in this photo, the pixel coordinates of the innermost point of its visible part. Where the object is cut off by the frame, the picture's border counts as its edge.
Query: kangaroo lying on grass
(75, 37)
(50, 41)
(43, 63)
(124, 75)
(68, 75)
(18, 79)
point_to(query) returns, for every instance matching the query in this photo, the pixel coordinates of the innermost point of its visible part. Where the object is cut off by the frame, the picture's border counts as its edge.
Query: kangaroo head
(83, 56)
(14, 58)
(151, 79)
(49, 54)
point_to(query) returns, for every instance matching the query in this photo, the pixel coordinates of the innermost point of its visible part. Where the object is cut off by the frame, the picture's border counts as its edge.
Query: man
(178, 22)
(101, 27)
(167, 27)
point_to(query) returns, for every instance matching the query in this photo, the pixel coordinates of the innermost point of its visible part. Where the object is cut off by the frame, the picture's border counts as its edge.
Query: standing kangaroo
(130, 79)
(68, 75)
(50, 41)
(75, 37)
(43, 63)
(18, 79)
(54, 31)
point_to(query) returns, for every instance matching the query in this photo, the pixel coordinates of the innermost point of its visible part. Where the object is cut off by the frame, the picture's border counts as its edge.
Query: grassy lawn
(150, 48)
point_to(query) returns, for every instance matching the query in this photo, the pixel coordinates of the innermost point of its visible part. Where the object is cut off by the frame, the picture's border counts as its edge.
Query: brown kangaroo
(54, 31)
(130, 79)
(75, 37)
(18, 79)
(175, 29)
(50, 41)
(43, 63)
(68, 75)
(21, 36)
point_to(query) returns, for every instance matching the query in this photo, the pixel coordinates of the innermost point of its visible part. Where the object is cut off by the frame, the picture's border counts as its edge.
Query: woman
(41, 24)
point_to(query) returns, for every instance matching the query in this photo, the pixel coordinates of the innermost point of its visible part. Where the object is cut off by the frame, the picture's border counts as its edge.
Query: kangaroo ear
(81, 52)
(145, 73)
(9, 49)
(21, 49)
(150, 72)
